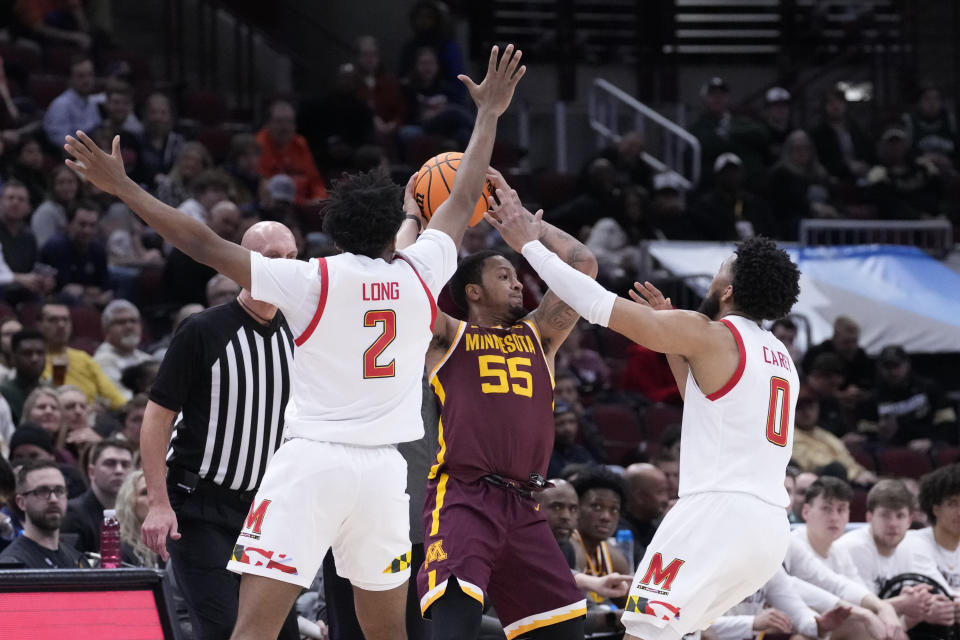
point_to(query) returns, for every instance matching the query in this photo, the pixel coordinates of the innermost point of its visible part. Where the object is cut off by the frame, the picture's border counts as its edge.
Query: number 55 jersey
(496, 397)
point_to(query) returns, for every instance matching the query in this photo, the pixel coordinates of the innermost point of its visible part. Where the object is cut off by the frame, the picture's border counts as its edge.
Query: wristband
(416, 219)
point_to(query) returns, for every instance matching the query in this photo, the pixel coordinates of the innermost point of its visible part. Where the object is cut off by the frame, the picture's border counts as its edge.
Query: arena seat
(86, 323)
(864, 457)
(206, 107)
(27, 58)
(947, 456)
(858, 505)
(620, 427)
(44, 88)
(903, 462)
(660, 416)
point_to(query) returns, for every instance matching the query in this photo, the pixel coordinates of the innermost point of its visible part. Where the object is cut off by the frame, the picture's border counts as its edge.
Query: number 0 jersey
(740, 438)
(362, 329)
(496, 396)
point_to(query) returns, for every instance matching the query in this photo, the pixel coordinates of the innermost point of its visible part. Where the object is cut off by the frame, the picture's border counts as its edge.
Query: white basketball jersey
(740, 438)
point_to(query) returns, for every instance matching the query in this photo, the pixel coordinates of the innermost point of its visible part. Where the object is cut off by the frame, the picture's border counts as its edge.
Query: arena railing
(933, 236)
(670, 140)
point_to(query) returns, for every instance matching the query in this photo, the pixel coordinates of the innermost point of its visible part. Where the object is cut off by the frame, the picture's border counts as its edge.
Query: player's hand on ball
(649, 296)
(410, 206)
(106, 172)
(503, 74)
(773, 621)
(159, 523)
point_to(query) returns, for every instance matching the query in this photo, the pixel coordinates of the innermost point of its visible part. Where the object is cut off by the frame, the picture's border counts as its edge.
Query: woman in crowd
(799, 186)
(132, 508)
(42, 407)
(50, 218)
(173, 188)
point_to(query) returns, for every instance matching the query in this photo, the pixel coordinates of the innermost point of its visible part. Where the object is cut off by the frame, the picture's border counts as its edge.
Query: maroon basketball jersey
(496, 397)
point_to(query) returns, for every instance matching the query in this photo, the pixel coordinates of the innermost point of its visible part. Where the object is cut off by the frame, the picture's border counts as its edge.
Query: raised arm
(191, 236)
(492, 97)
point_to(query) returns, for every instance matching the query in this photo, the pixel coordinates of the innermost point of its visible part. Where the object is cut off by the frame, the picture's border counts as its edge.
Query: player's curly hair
(599, 477)
(766, 282)
(937, 486)
(469, 271)
(363, 212)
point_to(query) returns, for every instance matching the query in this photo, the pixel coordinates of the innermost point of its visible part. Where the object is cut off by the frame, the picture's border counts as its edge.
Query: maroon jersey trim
(741, 365)
(324, 285)
(543, 352)
(433, 303)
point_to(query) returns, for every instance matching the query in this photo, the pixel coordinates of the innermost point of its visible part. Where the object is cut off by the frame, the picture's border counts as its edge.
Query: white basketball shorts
(318, 495)
(711, 551)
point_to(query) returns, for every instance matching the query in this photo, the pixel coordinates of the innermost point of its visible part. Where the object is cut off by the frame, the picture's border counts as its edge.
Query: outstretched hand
(104, 171)
(649, 296)
(496, 90)
(516, 225)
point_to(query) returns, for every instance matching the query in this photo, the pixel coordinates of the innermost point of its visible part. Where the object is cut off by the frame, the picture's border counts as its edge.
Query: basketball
(434, 181)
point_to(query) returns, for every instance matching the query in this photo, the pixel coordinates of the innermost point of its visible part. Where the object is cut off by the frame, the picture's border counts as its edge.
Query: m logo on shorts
(662, 577)
(255, 516)
(434, 553)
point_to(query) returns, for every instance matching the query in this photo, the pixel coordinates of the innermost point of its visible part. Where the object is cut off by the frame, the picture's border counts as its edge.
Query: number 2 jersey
(496, 397)
(740, 438)
(362, 327)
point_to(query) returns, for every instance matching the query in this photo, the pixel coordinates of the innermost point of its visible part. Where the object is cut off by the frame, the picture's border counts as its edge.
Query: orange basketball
(435, 180)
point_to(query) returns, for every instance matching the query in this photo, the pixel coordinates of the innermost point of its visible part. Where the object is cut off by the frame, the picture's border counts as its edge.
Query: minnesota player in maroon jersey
(484, 531)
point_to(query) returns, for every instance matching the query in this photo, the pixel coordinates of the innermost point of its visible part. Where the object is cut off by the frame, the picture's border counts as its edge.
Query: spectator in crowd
(940, 542)
(185, 278)
(80, 257)
(790, 484)
(800, 485)
(379, 89)
(432, 104)
(73, 109)
(798, 186)
(111, 461)
(133, 419)
(243, 166)
(29, 351)
(191, 160)
(42, 408)
(648, 374)
(132, 507)
(601, 496)
(119, 110)
(561, 508)
(903, 186)
(727, 211)
(647, 498)
(567, 389)
(17, 241)
(597, 198)
(32, 442)
(50, 218)
(8, 327)
(777, 120)
(139, 378)
(843, 148)
(221, 290)
(565, 448)
(933, 128)
(719, 131)
(584, 362)
(826, 511)
(668, 210)
(122, 331)
(626, 156)
(433, 28)
(208, 189)
(879, 553)
(28, 168)
(669, 464)
(159, 349)
(82, 371)
(618, 258)
(55, 23)
(785, 330)
(815, 447)
(284, 151)
(160, 145)
(10, 526)
(824, 379)
(42, 497)
(857, 367)
(908, 409)
(79, 435)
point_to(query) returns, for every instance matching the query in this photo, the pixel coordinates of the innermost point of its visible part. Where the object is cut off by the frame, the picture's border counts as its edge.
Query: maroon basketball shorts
(495, 541)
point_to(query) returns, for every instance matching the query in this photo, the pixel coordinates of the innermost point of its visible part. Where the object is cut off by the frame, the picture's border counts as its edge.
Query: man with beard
(42, 496)
(122, 333)
(739, 385)
(484, 532)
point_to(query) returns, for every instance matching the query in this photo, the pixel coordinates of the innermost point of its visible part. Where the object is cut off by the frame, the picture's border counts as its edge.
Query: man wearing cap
(908, 409)
(728, 211)
(815, 447)
(719, 131)
(565, 448)
(903, 187)
(777, 121)
(32, 442)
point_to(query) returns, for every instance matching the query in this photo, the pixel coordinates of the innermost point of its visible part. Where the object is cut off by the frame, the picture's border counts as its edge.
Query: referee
(227, 372)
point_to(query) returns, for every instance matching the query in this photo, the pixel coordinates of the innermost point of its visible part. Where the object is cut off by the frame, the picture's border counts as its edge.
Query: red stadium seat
(552, 189)
(864, 457)
(660, 416)
(620, 427)
(86, 323)
(29, 313)
(58, 59)
(88, 345)
(903, 462)
(947, 456)
(216, 140)
(206, 107)
(858, 505)
(44, 88)
(27, 58)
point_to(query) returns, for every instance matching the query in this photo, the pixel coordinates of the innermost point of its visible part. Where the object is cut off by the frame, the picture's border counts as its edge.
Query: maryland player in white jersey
(728, 532)
(363, 320)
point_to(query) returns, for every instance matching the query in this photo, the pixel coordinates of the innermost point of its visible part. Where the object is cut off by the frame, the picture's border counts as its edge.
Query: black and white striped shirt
(229, 377)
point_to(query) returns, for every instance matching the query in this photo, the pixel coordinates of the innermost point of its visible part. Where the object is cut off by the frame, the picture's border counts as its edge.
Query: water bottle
(625, 544)
(110, 540)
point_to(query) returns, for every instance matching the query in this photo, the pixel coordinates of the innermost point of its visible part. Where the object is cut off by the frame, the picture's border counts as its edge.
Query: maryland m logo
(660, 576)
(255, 516)
(434, 553)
